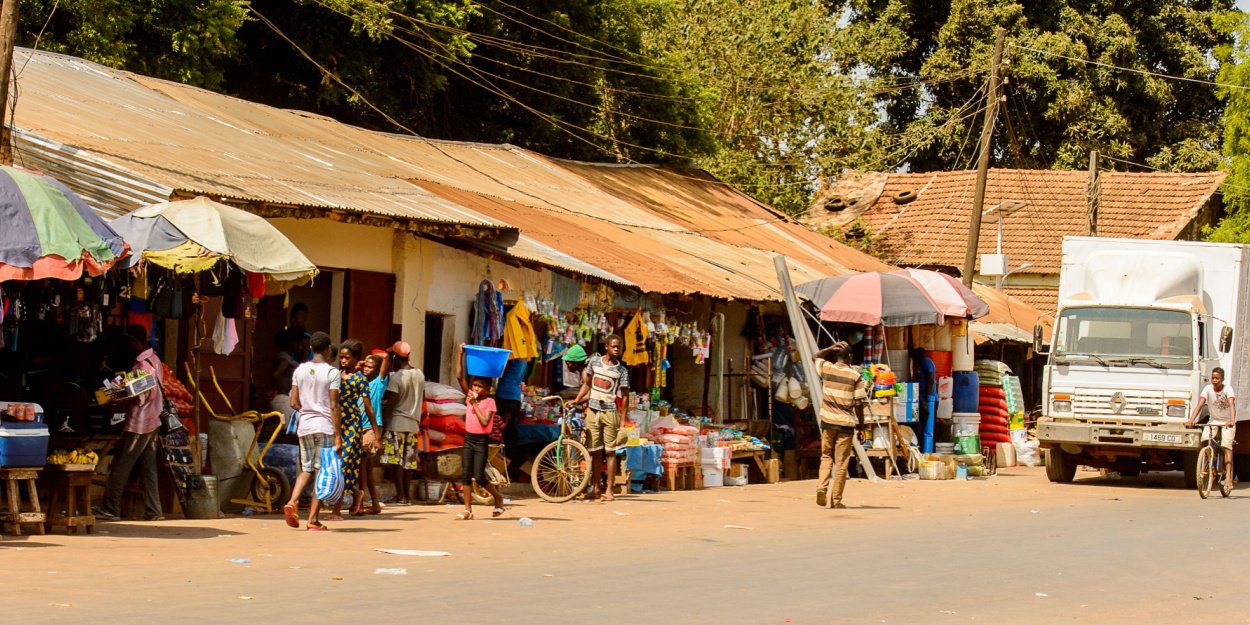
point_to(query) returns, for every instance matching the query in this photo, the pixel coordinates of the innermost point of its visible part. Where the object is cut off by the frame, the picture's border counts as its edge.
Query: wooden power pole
(8, 39)
(1092, 192)
(983, 160)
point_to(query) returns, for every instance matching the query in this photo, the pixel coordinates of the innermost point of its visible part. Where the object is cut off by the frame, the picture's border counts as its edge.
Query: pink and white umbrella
(950, 295)
(872, 298)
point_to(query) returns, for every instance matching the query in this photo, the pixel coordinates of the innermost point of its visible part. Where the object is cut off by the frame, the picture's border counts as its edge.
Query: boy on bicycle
(1220, 400)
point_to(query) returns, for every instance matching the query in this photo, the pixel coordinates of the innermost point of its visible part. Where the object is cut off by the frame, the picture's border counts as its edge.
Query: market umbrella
(189, 236)
(872, 298)
(952, 297)
(46, 231)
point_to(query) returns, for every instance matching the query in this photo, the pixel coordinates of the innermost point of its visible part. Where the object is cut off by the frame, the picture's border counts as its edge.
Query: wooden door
(369, 306)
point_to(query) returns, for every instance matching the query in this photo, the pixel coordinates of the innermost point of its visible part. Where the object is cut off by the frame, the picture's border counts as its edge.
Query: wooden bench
(13, 516)
(682, 477)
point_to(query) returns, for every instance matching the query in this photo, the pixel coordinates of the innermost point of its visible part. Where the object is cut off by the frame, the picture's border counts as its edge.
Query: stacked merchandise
(680, 445)
(994, 409)
(444, 416)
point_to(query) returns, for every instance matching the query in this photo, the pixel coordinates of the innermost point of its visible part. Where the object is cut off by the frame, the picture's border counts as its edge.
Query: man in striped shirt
(843, 395)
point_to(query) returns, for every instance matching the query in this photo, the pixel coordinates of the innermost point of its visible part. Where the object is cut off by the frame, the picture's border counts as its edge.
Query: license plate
(1159, 437)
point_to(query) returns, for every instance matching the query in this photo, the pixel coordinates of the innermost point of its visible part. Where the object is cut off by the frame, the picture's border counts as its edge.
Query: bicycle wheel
(273, 484)
(1206, 471)
(561, 471)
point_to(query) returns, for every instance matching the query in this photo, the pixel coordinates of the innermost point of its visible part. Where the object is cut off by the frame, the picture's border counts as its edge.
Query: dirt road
(1009, 549)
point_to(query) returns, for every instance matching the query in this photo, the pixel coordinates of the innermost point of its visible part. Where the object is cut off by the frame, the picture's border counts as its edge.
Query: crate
(23, 444)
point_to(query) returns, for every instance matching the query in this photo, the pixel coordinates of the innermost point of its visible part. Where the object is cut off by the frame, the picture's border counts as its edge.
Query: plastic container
(963, 357)
(900, 363)
(202, 500)
(944, 449)
(713, 477)
(967, 391)
(486, 362)
(941, 362)
(1005, 454)
(966, 432)
(23, 444)
(968, 444)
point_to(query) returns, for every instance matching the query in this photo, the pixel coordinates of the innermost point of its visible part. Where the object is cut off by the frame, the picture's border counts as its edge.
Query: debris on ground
(738, 527)
(390, 571)
(415, 552)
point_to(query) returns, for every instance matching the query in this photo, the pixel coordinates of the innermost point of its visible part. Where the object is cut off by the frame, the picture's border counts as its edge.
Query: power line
(1130, 69)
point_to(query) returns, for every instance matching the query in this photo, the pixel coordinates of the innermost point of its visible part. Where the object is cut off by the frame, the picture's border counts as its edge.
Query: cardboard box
(713, 477)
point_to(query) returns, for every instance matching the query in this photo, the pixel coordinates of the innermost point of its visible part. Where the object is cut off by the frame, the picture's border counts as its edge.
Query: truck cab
(1139, 328)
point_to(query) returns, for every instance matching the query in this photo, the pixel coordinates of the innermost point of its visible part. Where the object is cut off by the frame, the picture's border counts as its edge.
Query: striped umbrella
(955, 299)
(48, 232)
(871, 299)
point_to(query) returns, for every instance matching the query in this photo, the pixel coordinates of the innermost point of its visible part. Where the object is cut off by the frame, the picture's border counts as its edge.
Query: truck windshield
(1143, 336)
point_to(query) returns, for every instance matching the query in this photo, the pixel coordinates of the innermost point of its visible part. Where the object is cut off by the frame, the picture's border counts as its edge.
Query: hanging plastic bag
(330, 477)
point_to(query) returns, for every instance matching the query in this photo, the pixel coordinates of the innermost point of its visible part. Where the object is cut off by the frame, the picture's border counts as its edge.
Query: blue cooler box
(23, 444)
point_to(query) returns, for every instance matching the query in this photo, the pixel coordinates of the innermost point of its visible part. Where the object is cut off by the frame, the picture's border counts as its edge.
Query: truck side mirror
(1226, 340)
(1037, 339)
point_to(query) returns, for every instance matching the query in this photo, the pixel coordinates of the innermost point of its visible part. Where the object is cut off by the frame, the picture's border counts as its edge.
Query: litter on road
(415, 552)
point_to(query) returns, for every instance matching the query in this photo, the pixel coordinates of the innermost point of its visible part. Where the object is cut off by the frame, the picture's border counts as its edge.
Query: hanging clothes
(225, 335)
(518, 334)
(636, 342)
(488, 321)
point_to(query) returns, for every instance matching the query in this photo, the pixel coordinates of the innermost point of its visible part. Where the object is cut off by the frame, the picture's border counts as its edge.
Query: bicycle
(1211, 466)
(561, 471)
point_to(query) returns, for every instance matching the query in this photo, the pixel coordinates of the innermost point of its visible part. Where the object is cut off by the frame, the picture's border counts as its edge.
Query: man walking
(604, 381)
(842, 397)
(315, 395)
(138, 443)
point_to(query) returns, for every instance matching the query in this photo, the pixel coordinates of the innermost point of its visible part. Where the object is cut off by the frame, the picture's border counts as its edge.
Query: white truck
(1140, 326)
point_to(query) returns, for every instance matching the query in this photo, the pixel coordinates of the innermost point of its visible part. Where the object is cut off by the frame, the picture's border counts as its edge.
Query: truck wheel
(1191, 469)
(1060, 466)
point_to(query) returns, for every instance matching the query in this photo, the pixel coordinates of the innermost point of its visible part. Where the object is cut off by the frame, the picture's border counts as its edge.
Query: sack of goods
(444, 416)
(679, 443)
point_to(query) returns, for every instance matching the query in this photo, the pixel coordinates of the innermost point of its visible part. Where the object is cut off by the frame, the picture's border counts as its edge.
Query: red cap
(401, 349)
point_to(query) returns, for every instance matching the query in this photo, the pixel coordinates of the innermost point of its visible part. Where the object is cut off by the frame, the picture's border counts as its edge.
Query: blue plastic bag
(329, 487)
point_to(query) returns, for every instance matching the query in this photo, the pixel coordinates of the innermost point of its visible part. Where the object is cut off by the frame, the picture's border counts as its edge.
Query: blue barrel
(967, 391)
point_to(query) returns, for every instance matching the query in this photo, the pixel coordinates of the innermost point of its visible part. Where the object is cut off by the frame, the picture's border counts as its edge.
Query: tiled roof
(932, 230)
(1044, 298)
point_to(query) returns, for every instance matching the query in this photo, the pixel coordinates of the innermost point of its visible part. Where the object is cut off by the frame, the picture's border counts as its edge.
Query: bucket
(967, 393)
(966, 424)
(429, 490)
(944, 449)
(202, 497)
(486, 362)
(941, 362)
(968, 444)
(900, 363)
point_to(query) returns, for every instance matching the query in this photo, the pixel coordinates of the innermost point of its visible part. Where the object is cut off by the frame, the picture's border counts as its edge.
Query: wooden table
(753, 457)
(70, 489)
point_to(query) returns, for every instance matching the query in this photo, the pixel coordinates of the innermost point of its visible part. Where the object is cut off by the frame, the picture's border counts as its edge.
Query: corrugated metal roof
(198, 142)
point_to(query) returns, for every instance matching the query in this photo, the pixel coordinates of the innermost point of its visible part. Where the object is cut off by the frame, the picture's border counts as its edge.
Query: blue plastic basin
(486, 362)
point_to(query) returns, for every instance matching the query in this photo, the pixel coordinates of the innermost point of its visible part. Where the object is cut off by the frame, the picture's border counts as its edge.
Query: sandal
(317, 527)
(292, 517)
(464, 516)
(498, 512)
(334, 517)
(375, 510)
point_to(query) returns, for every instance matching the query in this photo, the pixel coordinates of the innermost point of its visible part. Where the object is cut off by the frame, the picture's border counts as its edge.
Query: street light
(1001, 280)
(996, 264)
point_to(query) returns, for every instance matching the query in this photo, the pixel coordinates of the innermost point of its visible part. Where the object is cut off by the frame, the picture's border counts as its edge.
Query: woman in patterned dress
(353, 387)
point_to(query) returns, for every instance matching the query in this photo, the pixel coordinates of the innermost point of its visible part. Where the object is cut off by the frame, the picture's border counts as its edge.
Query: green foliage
(1056, 110)
(1234, 59)
(184, 40)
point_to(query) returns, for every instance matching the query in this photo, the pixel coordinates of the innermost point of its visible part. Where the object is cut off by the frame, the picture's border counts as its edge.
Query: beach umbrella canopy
(951, 296)
(189, 236)
(872, 298)
(46, 231)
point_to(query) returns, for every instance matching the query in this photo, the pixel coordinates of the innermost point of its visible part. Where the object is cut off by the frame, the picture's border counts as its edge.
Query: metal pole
(1092, 192)
(8, 38)
(807, 354)
(983, 162)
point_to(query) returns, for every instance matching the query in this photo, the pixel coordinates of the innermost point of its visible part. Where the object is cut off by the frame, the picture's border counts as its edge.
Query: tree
(780, 112)
(1056, 109)
(183, 40)
(1234, 60)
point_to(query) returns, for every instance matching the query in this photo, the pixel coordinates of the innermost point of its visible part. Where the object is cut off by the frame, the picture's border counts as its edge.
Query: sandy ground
(1007, 549)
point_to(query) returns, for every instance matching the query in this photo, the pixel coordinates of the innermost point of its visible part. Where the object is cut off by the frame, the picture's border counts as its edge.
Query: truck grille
(1118, 404)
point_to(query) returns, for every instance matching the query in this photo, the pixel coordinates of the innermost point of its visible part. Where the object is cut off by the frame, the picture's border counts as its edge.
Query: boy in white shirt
(1221, 402)
(315, 394)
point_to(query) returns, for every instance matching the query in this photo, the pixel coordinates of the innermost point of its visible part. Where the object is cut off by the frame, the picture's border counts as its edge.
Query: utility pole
(8, 39)
(983, 161)
(1092, 192)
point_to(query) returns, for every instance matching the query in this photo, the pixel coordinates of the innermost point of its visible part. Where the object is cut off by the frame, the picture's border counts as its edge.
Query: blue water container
(486, 362)
(967, 391)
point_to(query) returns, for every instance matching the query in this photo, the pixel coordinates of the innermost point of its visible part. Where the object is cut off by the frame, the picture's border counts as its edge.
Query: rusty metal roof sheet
(198, 142)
